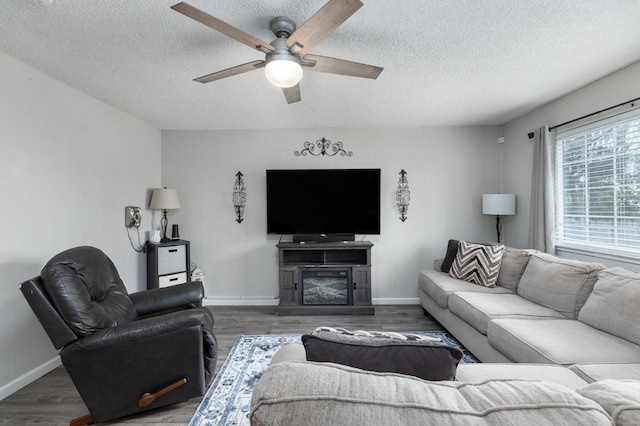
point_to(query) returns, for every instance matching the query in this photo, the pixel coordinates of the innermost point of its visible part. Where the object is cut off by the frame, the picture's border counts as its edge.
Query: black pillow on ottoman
(411, 354)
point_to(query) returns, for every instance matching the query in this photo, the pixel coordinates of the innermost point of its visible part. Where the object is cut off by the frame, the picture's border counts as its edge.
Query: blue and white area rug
(228, 400)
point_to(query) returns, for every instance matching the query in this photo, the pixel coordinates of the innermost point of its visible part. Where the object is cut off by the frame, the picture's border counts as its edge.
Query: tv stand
(344, 268)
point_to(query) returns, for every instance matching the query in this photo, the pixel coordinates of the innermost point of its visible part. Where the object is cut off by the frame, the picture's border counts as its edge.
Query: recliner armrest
(181, 296)
(146, 328)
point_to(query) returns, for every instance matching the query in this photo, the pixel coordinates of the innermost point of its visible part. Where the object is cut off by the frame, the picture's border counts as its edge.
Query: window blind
(598, 183)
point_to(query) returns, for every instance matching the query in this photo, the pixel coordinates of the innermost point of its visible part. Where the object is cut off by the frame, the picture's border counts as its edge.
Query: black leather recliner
(125, 353)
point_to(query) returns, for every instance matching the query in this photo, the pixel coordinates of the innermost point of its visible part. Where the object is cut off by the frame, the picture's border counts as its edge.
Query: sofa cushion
(603, 371)
(331, 394)
(421, 356)
(477, 309)
(449, 257)
(439, 286)
(558, 341)
(557, 283)
(480, 372)
(477, 263)
(614, 304)
(514, 262)
(620, 398)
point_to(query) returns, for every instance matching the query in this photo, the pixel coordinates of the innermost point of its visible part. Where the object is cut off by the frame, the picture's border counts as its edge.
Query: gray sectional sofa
(294, 391)
(559, 340)
(544, 310)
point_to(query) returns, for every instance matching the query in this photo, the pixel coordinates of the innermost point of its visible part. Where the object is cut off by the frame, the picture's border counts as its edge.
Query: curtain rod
(531, 134)
(592, 114)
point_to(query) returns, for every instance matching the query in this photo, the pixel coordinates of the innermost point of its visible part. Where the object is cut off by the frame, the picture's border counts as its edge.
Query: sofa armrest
(181, 296)
(289, 352)
(437, 264)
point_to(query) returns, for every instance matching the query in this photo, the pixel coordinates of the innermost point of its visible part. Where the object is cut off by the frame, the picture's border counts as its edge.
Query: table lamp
(164, 199)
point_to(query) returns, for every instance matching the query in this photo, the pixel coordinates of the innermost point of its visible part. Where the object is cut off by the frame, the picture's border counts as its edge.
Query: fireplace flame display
(326, 286)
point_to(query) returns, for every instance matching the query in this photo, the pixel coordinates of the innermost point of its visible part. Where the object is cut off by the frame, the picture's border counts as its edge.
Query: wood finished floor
(53, 400)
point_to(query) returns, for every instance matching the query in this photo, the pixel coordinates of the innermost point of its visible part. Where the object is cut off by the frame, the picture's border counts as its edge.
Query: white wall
(69, 165)
(448, 171)
(614, 89)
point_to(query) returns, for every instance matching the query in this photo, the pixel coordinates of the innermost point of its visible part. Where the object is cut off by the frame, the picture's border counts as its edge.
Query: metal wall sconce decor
(239, 197)
(403, 195)
(325, 146)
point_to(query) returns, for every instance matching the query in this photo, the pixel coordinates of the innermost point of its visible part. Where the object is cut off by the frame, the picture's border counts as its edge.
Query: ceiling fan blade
(292, 94)
(249, 66)
(342, 67)
(323, 23)
(221, 26)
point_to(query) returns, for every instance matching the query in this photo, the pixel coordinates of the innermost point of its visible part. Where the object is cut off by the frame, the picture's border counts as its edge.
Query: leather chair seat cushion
(87, 291)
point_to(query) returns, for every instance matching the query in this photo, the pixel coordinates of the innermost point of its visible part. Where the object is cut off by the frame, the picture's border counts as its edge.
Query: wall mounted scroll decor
(325, 146)
(239, 197)
(403, 195)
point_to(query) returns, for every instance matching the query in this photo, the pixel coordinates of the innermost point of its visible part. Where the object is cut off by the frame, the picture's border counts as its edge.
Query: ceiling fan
(287, 55)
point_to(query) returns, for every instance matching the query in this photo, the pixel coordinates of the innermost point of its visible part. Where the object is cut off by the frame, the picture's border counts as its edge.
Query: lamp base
(498, 227)
(163, 225)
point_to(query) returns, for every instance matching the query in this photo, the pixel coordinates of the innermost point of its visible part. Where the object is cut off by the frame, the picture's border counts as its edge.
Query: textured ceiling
(446, 62)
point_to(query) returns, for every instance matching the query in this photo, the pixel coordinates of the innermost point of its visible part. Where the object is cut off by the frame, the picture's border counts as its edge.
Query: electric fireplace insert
(326, 286)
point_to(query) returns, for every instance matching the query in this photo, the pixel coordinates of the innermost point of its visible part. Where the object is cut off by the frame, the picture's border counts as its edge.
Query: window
(598, 184)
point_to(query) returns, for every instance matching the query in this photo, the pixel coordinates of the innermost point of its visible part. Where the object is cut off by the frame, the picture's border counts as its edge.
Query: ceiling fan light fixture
(283, 70)
(287, 54)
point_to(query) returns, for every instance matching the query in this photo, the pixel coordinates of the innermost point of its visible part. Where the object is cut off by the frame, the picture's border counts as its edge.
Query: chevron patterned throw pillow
(477, 263)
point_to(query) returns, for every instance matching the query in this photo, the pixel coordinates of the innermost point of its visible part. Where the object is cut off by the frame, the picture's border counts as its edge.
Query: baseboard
(396, 301)
(30, 376)
(240, 301)
(268, 301)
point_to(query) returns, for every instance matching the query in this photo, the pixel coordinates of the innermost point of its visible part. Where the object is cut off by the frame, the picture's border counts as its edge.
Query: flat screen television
(328, 201)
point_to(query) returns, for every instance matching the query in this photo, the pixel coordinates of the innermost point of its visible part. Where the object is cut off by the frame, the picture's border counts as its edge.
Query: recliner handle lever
(147, 398)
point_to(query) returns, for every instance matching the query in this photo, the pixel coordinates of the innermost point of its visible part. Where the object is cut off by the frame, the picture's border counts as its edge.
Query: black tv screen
(329, 201)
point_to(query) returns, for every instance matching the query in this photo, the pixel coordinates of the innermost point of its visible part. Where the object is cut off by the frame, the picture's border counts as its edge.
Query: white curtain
(542, 214)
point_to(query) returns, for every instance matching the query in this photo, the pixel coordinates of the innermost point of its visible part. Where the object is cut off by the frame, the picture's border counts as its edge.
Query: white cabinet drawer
(172, 259)
(168, 280)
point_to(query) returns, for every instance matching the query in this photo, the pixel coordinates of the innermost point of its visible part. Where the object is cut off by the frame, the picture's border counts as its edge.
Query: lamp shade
(499, 204)
(164, 199)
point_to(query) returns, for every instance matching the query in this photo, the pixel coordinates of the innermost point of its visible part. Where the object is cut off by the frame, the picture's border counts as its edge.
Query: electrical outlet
(132, 217)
